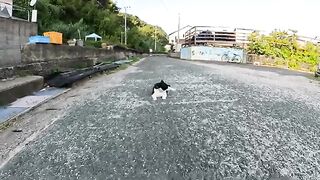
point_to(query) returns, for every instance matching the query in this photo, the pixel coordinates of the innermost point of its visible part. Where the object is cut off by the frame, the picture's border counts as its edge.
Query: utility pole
(155, 39)
(125, 24)
(178, 41)
(121, 37)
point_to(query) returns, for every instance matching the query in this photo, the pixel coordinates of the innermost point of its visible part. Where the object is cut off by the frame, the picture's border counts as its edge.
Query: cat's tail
(171, 89)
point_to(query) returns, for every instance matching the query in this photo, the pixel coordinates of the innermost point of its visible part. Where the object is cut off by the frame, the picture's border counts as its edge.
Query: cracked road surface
(222, 122)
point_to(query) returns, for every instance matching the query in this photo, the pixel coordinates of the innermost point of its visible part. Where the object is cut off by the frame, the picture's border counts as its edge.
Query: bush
(95, 44)
(285, 48)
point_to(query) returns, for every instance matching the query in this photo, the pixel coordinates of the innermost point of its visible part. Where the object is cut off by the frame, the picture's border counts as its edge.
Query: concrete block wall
(35, 53)
(14, 35)
(44, 59)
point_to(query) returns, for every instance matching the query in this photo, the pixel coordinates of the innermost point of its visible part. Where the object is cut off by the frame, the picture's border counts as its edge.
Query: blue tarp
(39, 40)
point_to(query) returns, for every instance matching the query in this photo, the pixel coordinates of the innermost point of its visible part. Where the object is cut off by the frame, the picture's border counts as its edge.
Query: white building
(173, 38)
(242, 35)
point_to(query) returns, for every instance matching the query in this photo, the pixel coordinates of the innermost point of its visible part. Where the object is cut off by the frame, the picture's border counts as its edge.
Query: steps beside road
(28, 103)
(11, 90)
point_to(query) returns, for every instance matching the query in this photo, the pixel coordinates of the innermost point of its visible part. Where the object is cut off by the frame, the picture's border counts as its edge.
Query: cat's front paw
(154, 98)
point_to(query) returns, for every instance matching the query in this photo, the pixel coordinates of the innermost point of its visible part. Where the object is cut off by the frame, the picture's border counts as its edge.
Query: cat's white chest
(159, 93)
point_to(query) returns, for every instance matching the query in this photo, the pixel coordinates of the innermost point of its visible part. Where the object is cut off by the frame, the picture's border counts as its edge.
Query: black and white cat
(161, 89)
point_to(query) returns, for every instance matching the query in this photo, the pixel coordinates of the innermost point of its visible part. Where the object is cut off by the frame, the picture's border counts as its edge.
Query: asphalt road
(222, 122)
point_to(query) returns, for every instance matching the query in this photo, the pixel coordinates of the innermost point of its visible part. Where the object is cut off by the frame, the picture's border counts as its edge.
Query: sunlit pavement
(222, 122)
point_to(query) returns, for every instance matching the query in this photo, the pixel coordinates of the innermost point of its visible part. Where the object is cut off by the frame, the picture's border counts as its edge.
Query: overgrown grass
(107, 60)
(133, 59)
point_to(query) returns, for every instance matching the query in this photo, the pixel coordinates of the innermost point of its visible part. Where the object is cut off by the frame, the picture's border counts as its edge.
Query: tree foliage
(285, 46)
(100, 16)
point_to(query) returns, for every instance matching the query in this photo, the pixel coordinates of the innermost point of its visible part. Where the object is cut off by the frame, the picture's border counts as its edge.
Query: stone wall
(262, 60)
(14, 35)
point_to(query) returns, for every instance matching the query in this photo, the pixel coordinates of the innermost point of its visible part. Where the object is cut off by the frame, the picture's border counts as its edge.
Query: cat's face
(164, 86)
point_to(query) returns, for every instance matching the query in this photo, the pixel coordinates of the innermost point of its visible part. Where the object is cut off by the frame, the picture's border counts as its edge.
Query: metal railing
(217, 36)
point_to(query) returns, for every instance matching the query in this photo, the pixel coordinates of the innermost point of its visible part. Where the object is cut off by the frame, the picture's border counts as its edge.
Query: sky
(265, 15)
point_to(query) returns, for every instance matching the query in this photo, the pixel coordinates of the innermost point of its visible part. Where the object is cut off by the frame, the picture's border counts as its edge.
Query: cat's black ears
(161, 81)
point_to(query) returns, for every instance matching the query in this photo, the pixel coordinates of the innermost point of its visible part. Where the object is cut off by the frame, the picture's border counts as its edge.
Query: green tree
(285, 46)
(101, 17)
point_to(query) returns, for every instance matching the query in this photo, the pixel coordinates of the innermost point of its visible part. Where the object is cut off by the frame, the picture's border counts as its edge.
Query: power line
(164, 3)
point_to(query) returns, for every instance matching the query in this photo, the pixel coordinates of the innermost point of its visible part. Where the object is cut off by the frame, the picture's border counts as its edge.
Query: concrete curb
(15, 117)
(277, 67)
(20, 87)
(245, 65)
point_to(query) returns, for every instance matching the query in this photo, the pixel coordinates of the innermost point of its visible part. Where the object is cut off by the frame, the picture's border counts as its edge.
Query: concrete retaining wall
(45, 59)
(213, 54)
(14, 35)
(11, 90)
(47, 52)
(263, 60)
(174, 55)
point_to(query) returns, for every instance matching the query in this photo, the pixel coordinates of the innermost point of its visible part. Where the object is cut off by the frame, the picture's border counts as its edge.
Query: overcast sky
(301, 15)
